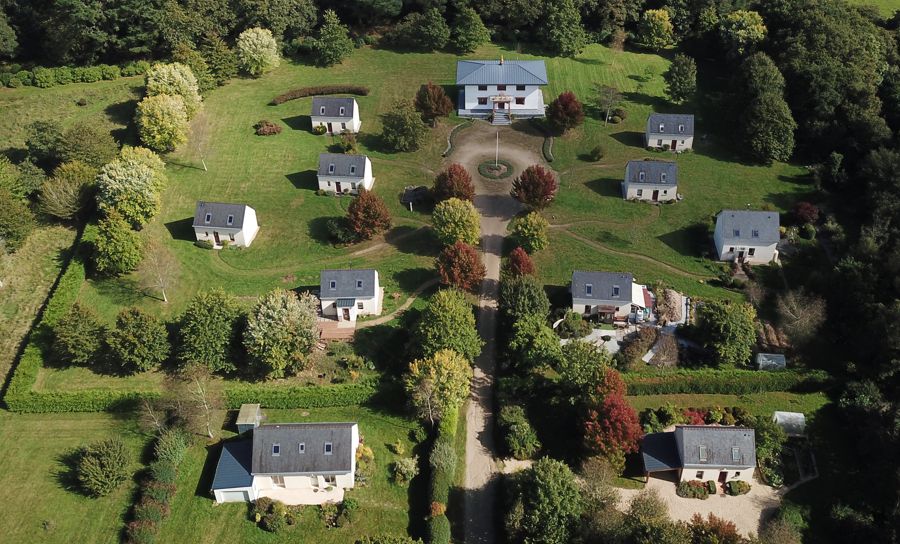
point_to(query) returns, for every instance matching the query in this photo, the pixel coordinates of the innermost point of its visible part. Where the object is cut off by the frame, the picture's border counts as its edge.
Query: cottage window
(680, 128)
(659, 142)
(331, 479)
(332, 284)
(641, 176)
(731, 250)
(737, 233)
(699, 475)
(359, 284)
(754, 233)
(230, 220)
(322, 110)
(520, 87)
(735, 454)
(662, 127)
(208, 218)
(501, 87)
(752, 251)
(589, 289)
(737, 474)
(329, 448)
(343, 126)
(359, 305)
(665, 191)
(331, 168)
(520, 100)
(302, 448)
(231, 236)
(702, 453)
(640, 192)
(662, 177)
(352, 168)
(341, 112)
(482, 100)
(615, 291)
(329, 184)
(482, 87)
(276, 450)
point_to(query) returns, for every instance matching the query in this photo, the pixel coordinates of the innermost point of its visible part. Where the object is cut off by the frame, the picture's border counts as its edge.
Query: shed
(793, 423)
(249, 417)
(770, 361)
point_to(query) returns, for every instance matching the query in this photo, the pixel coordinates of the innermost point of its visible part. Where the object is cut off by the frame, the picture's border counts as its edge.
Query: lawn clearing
(37, 505)
(886, 7)
(383, 506)
(758, 404)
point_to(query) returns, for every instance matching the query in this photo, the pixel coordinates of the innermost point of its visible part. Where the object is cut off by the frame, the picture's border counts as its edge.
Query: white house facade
(348, 294)
(652, 181)
(336, 114)
(345, 174)
(671, 131)
(702, 452)
(611, 296)
(498, 89)
(296, 463)
(747, 236)
(224, 224)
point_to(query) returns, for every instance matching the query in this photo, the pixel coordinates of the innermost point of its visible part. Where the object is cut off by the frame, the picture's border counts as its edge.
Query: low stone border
(484, 169)
(453, 132)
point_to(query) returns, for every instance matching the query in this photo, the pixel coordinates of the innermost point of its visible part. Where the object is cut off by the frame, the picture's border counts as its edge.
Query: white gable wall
(644, 191)
(241, 237)
(730, 250)
(657, 141)
(534, 99)
(347, 184)
(370, 306)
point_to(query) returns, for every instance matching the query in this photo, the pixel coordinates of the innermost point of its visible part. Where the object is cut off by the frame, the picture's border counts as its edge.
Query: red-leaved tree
(806, 212)
(536, 186)
(433, 102)
(519, 263)
(565, 112)
(714, 529)
(460, 265)
(454, 182)
(368, 215)
(611, 426)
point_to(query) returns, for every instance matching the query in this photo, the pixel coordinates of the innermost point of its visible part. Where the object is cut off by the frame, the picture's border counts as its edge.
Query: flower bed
(490, 171)
(693, 489)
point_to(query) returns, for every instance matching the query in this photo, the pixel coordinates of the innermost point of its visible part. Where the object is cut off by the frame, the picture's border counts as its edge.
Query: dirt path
(403, 307)
(496, 208)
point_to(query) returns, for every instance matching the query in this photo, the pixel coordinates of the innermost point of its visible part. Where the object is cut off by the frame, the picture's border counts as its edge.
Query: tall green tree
(402, 128)
(8, 41)
(257, 51)
(438, 385)
(333, 43)
(767, 127)
(175, 79)
(78, 336)
(434, 34)
(287, 19)
(742, 31)
(729, 330)
(469, 31)
(523, 296)
(117, 249)
(89, 143)
(655, 30)
(456, 220)
(530, 231)
(139, 341)
(281, 332)
(447, 323)
(162, 122)
(209, 331)
(563, 32)
(581, 368)
(16, 221)
(681, 78)
(131, 188)
(221, 59)
(549, 501)
(533, 344)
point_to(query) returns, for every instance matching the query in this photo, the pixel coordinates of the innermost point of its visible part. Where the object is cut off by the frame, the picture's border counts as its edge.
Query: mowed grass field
(758, 404)
(886, 7)
(40, 504)
(384, 508)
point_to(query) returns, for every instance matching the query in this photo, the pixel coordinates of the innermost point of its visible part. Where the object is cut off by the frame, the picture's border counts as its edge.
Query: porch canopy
(659, 452)
(346, 302)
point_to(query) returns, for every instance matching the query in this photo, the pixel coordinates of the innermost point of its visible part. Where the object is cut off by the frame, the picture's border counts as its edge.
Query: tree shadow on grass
(307, 179)
(125, 291)
(656, 102)
(182, 229)
(411, 278)
(65, 473)
(204, 482)
(318, 229)
(418, 498)
(630, 138)
(611, 187)
(373, 142)
(689, 241)
(298, 122)
(384, 344)
(121, 113)
(406, 239)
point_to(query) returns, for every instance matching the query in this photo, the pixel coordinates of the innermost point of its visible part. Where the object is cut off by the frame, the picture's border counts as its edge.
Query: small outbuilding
(670, 131)
(249, 418)
(793, 423)
(653, 181)
(770, 361)
(345, 174)
(335, 114)
(225, 224)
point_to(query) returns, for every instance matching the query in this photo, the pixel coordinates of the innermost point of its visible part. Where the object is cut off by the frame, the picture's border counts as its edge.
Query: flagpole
(497, 152)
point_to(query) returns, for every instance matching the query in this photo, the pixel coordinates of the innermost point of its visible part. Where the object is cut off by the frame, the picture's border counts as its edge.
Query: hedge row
(303, 92)
(63, 75)
(157, 491)
(344, 394)
(450, 137)
(441, 481)
(728, 382)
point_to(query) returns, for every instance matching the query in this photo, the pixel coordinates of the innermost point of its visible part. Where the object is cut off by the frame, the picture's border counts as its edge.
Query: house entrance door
(741, 255)
(278, 481)
(501, 105)
(723, 477)
(346, 314)
(330, 130)
(216, 237)
(587, 308)
(655, 195)
(337, 186)
(674, 145)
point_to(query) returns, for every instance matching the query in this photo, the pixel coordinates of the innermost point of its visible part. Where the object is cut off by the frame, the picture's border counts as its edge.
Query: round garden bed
(499, 170)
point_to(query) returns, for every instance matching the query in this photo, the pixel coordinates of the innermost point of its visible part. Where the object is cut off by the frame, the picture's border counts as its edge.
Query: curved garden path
(496, 208)
(403, 307)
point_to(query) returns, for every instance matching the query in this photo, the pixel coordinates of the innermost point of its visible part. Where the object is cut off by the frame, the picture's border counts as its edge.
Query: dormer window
(301, 448)
(332, 284)
(641, 176)
(681, 128)
(208, 218)
(276, 450)
(754, 233)
(662, 127)
(615, 291)
(589, 289)
(735, 454)
(353, 169)
(331, 168)
(359, 284)
(737, 233)
(329, 448)
(322, 110)
(662, 177)
(341, 112)
(230, 220)
(703, 456)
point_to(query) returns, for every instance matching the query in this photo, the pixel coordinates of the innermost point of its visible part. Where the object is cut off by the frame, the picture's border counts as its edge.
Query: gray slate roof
(342, 164)
(219, 212)
(332, 106)
(345, 283)
(670, 122)
(739, 225)
(659, 452)
(653, 171)
(491, 72)
(602, 284)
(289, 436)
(718, 442)
(233, 469)
(770, 361)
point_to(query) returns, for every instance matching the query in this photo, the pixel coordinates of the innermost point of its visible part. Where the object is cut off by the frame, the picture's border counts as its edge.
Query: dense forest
(817, 81)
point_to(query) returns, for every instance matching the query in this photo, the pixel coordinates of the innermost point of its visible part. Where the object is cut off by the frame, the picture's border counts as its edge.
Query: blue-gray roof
(332, 106)
(313, 458)
(345, 303)
(749, 226)
(718, 446)
(340, 165)
(603, 286)
(233, 469)
(347, 283)
(660, 452)
(219, 214)
(497, 72)
(673, 124)
(654, 172)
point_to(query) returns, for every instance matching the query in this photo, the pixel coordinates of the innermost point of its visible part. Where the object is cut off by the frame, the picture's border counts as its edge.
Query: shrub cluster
(157, 491)
(693, 489)
(267, 128)
(442, 465)
(728, 381)
(737, 487)
(635, 346)
(303, 92)
(518, 435)
(273, 515)
(13, 76)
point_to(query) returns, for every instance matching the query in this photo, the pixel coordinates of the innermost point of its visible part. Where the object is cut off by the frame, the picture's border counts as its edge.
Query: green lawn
(886, 7)
(38, 507)
(384, 507)
(760, 404)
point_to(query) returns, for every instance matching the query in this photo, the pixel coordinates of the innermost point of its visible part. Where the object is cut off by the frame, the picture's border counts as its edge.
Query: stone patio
(295, 497)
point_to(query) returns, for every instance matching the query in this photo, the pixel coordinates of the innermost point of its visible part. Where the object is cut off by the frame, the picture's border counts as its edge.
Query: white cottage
(673, 131)
(498, 88)
(336, 114)
(347, 294)
(345, 174)
(747, 236)
(702, 452)
(653, 181)
(295, 463)
(223, 224)
(613, 296)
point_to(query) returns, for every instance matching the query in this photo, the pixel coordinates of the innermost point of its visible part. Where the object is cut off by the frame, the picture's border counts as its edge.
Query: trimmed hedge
(439, 529)
(442, 480)
(344, 394)
(303, 92)
(452, 135)
(729, 382)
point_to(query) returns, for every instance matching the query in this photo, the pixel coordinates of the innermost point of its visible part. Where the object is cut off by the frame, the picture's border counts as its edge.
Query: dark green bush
(109, 72)
(518, 435)
(693, 489)
(148, 509)
(137, 68)
(573, 326)
(439, 530)
(597, 153)
(737, 487)
(141, 532)
(43, 77)
(171, 446)
(163, 472)
(63, 75)
(103, 466)
(711, 487)
(159, 491)
(26, 77)
(14, 82)
(345, 394)
(303, 92)
(634, 346)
